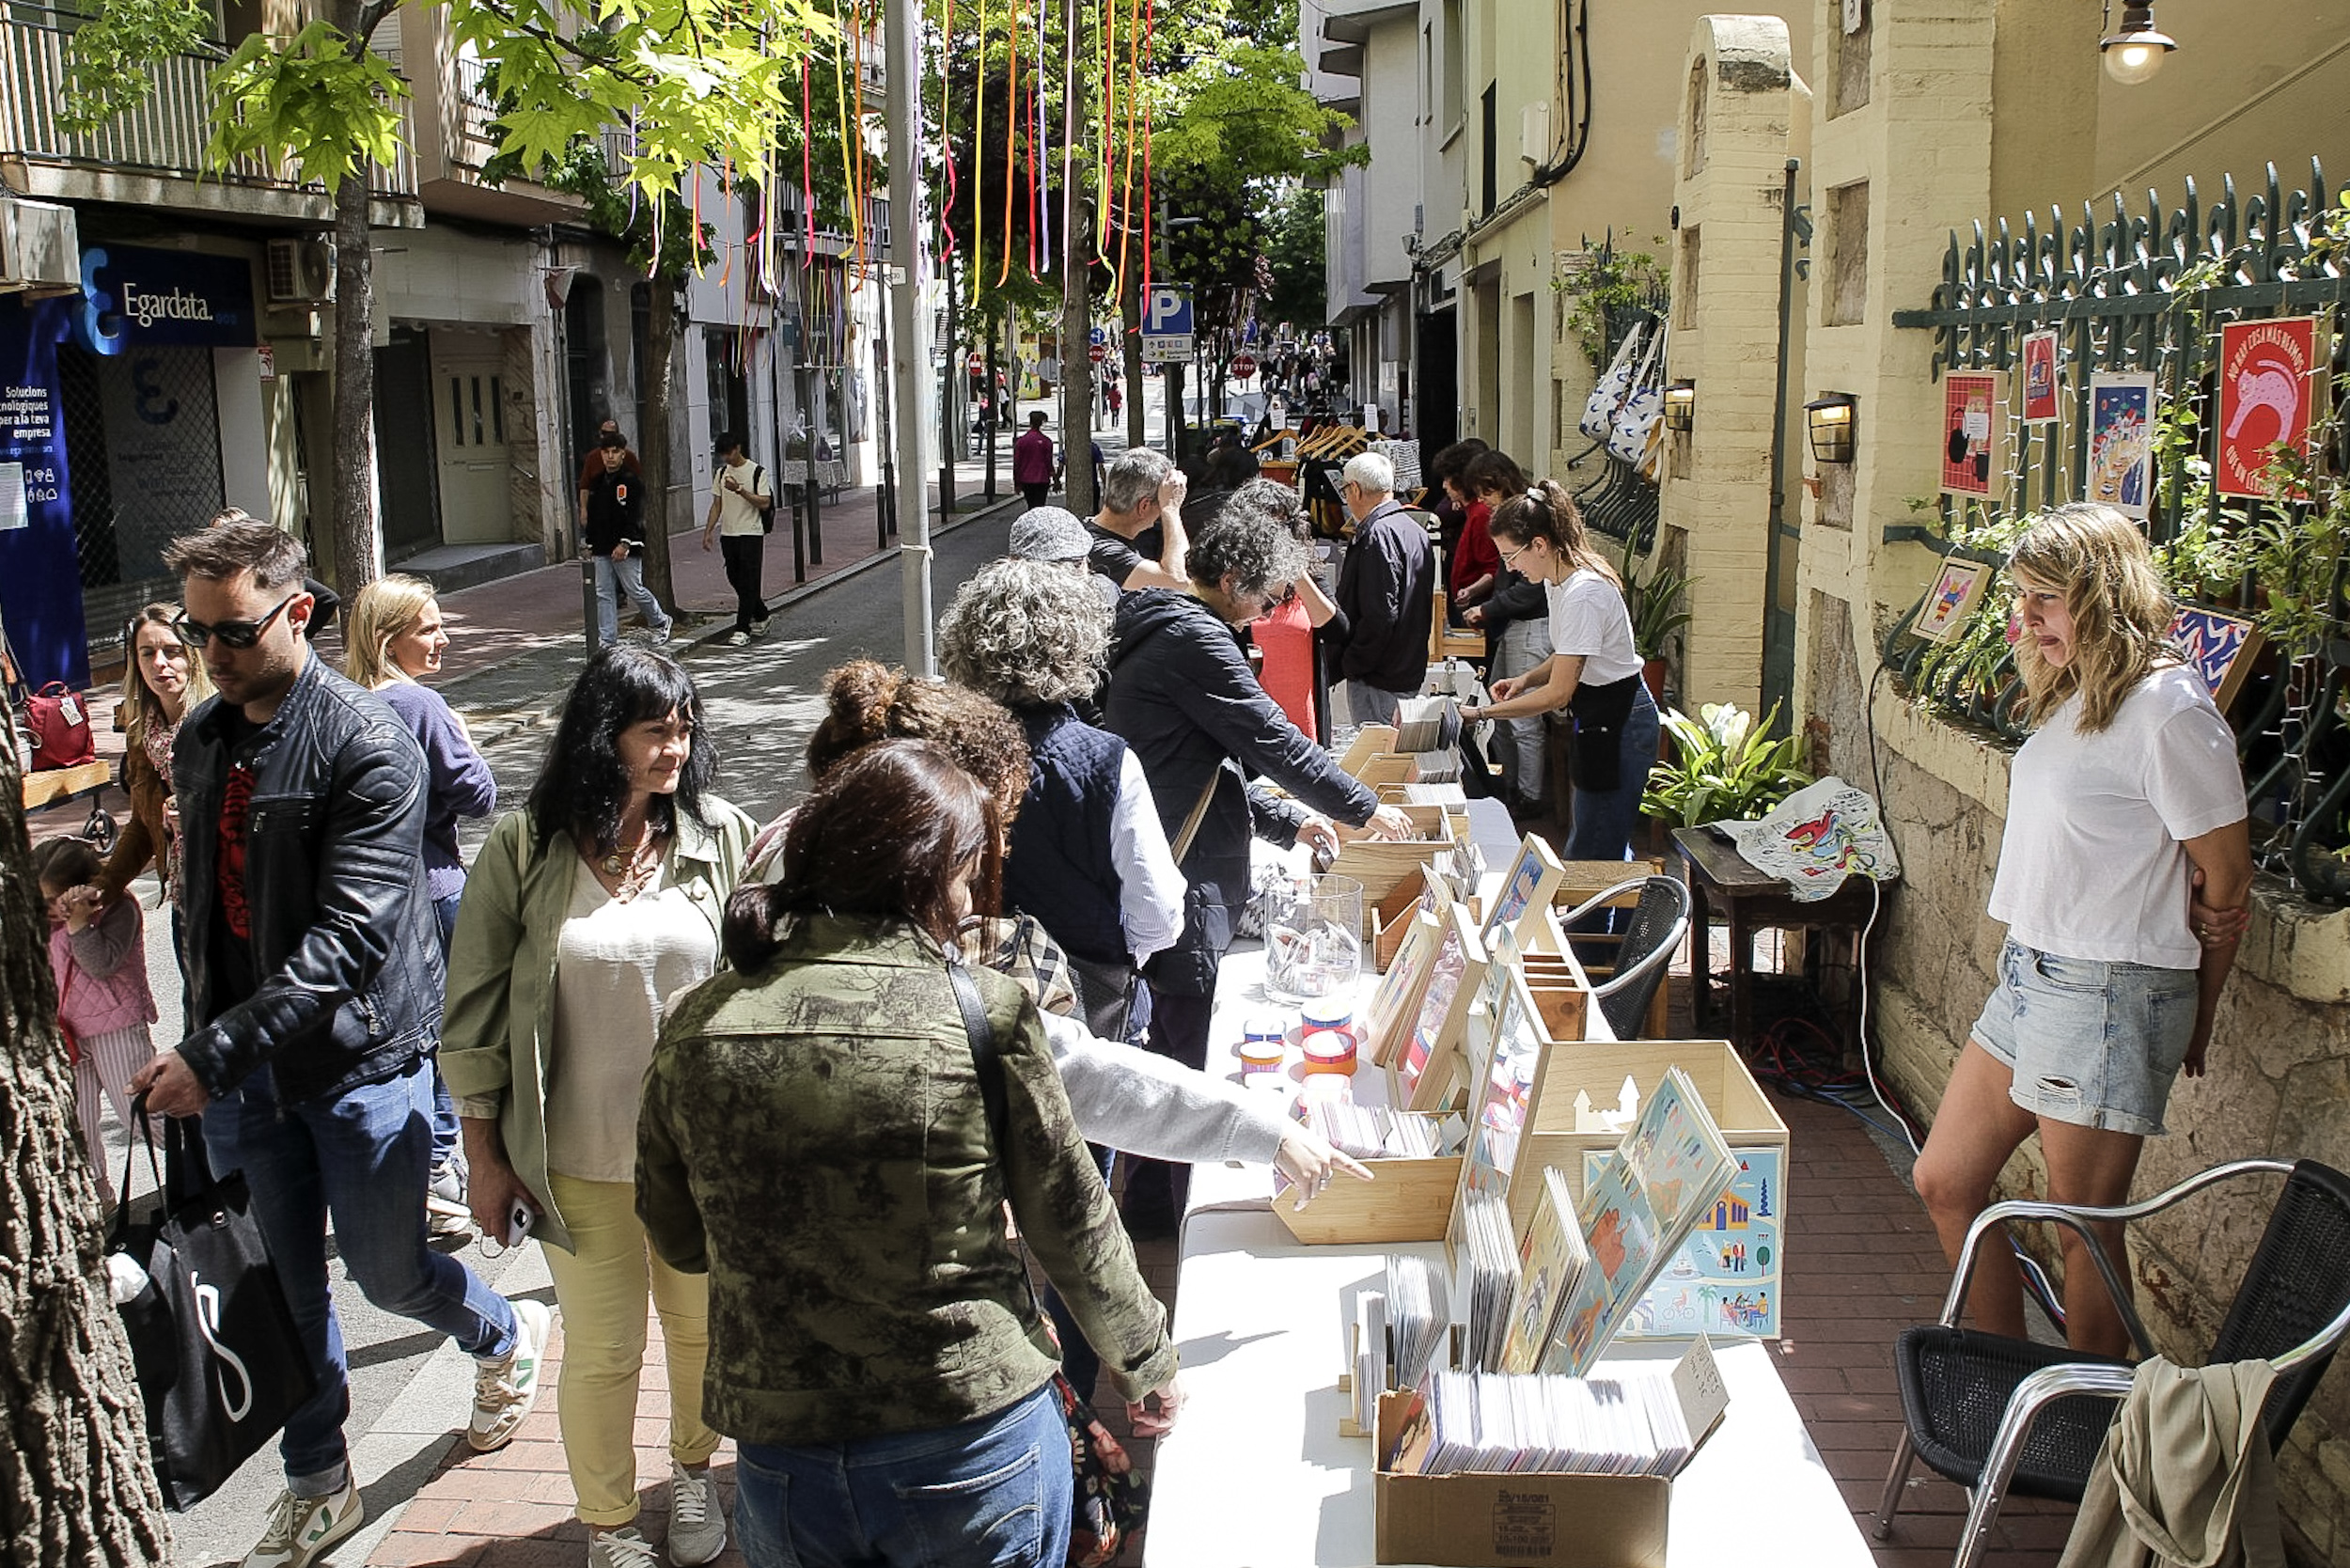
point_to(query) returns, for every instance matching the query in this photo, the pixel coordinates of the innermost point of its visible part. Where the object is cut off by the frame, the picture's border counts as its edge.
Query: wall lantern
(1681, 405)
(2134, 53)
(1829, 418)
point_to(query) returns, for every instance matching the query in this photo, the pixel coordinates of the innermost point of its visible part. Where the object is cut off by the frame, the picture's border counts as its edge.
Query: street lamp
(1828, 418)
(2134, 54)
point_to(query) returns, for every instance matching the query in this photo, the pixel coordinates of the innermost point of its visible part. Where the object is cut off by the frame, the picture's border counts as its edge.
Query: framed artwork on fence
(2272, 381)
(2121, 440)
(2220, 646)
(1971, 431)
(2040, 378)
(1951, 599)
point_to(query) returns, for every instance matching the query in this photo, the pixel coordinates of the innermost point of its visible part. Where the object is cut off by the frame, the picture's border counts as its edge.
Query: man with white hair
(1387, 595)
(1138, 536)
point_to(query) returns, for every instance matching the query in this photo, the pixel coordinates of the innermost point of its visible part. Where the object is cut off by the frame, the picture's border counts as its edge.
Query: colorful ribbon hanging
(1150, 26)
(862, 187)
(979, 149)
(1102, 163)
(946, 139)
(1038, 154)
(1126, 183)
(1012, 132)
(807, 151)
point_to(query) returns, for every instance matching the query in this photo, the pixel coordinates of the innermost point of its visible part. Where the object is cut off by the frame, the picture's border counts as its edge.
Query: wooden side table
(1754, 900)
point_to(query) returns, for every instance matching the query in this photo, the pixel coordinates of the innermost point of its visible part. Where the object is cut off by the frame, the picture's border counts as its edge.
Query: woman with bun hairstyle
(2125, 869)
(825, 1137)
(1592, 672)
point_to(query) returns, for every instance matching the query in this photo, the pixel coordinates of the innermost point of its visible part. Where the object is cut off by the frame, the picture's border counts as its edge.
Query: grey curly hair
(1027, 633)
(1254, 548)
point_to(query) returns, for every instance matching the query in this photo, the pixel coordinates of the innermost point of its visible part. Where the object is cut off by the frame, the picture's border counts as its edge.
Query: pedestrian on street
(2125, 877)
(312, 967)
(585, 913)
(607, 436)
(813, 1137)
(98, 955)
(1138, 536)
(741, 510)
(1387, 595)
(1033, 460)
(161, 682)
(393, 639)
(613, 505)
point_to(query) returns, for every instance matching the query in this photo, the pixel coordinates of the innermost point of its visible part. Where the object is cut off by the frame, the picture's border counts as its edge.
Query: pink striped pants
(108, 1062)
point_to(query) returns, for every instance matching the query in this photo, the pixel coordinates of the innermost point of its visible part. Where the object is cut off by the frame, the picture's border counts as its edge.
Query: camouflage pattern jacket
(812, 1136)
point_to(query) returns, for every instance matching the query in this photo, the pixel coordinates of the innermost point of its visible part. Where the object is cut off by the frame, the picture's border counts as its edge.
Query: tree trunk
(1130, 356)
(358, 542)
(660, 350)
(77, 1486)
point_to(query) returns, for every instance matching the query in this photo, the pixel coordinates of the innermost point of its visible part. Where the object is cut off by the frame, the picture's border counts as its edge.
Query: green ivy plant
(1611, 281)
(1727, 768)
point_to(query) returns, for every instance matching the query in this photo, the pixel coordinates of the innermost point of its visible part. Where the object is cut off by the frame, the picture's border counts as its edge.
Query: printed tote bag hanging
(211, 1341)
(1643, 406)
(1615, 384)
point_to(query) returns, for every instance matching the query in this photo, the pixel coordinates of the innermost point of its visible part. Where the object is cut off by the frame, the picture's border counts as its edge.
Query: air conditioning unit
(1534, 133)
(41, 252)
(301, 272)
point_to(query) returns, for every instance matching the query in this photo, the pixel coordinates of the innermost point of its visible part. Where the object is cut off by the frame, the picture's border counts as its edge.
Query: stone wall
(2279, 1082)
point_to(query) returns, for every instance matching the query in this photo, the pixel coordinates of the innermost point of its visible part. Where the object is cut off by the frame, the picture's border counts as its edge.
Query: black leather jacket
(344, 945)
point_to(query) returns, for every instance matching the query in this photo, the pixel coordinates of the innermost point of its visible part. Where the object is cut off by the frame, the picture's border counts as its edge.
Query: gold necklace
(632, 871)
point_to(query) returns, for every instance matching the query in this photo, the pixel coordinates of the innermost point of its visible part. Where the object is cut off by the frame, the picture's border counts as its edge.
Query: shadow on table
(1214, 1348)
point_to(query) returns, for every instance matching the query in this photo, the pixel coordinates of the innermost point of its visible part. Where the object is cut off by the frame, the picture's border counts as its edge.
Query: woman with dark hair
(1592, 671)
(584, 913)
(1515, 614)
(820, 1134)
(1450, 501)
(1473, 570)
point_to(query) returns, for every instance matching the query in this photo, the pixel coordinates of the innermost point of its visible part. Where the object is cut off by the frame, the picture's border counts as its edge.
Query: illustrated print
(2121, 441)
(2271, 384)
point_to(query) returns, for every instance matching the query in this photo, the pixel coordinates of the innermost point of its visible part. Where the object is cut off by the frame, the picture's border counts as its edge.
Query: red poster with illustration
(2040, 378)
(2271, 379)
(1970, 428)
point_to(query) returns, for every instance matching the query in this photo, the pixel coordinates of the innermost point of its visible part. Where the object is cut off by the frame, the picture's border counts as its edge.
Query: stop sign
(1098, 352)
(1244, 365)
(975, 362)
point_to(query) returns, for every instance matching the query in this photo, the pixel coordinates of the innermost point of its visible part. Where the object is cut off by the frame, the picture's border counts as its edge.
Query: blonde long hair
(2099, 560)
(145, 706)
(386, 608)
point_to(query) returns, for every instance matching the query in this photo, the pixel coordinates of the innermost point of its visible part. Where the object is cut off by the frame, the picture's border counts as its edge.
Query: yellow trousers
(601, 1288)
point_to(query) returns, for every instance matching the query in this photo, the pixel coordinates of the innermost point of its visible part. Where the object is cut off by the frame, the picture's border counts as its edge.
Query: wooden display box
(1407, 1201)
(1379, 864)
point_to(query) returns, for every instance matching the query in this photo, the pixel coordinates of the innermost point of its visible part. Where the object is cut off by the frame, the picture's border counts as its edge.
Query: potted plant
(1729, 768)
(1658, 612)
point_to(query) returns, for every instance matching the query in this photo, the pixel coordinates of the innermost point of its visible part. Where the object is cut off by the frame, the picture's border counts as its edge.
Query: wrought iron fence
(1616, 501)
(2149, 293)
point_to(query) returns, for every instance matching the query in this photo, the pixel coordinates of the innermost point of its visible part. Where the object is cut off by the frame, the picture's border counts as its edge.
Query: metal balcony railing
(166, 134)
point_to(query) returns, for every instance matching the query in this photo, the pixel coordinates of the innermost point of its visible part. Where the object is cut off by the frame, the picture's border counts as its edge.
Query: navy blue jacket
(1059, 869)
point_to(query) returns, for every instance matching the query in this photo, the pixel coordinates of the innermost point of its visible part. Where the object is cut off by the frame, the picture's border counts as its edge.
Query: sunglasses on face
(232, 633)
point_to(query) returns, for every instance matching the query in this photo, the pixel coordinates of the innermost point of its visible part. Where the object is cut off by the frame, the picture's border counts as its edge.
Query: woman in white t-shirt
(2125, 800)
(1593, 670)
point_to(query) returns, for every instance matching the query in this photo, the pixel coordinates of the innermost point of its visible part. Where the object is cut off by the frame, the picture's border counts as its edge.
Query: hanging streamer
(863, 38)
(807, 152)
(979, 149)
(1103, 163)
(946, 138)
(847, 152)
(1043, 150)
(1150, 25)
(1011, 132)
(1126, 181)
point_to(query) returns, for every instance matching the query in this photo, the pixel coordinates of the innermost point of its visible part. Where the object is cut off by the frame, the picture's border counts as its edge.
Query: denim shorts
(2093, 1044)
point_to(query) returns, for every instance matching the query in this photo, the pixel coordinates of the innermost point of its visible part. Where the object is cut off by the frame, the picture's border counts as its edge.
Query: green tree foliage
(1295, 247)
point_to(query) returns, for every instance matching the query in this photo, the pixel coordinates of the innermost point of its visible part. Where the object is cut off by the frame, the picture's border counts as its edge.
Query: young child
(99, 953)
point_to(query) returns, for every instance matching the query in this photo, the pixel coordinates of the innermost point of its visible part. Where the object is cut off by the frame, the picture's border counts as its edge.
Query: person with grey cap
(1055, 535)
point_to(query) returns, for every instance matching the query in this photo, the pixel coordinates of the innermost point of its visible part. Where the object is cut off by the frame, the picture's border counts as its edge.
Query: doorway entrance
(469, 430)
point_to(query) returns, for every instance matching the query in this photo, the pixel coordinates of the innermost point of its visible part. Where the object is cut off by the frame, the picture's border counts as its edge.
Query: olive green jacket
(497, 1025)
(813, 1137)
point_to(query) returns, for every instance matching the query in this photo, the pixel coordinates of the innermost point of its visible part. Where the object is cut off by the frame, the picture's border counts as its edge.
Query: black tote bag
(213, 1345)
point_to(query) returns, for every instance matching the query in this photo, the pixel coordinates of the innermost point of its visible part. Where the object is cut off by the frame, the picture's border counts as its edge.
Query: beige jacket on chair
(2185, 1474)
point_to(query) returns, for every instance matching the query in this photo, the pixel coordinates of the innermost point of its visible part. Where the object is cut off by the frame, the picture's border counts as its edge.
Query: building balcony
(457, 137)
(154, 156)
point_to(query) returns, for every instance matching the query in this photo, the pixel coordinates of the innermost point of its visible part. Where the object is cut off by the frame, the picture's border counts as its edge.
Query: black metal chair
(1643, 949)
(2001, 1416)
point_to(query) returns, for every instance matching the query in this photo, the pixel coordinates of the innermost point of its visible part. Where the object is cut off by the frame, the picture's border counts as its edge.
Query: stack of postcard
(1420, 1314)
(1629, 1423)
(1375, 1132)
(1550, 1267)
(1492, 1270)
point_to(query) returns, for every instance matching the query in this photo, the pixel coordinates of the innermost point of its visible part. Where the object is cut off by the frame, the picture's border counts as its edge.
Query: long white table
(1255, 1474)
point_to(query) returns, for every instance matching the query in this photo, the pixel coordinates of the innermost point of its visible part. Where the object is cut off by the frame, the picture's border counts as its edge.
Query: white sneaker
(445, 1210)
(738, 640)
(301, 1528)
(662, 634)
(698, 1528)
(504, 1390)
(758, 627)
(621, 1548)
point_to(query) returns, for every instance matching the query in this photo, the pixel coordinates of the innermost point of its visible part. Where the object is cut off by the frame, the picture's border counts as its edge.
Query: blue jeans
(992, 1492)
(446, 1133)
(1604, 818)
(614, 578)
(361, 1157)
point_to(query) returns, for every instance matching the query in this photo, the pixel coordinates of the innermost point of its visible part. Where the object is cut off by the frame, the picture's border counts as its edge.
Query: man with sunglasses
(313, 966)
(1387, 595)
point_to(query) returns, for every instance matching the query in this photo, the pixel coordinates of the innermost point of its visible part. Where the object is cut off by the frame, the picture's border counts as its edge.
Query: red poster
(2271, 379)
(1969, 431)
(2040, 377)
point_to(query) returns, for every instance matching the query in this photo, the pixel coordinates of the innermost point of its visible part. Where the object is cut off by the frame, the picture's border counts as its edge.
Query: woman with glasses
(1592, 671)
(584, 914)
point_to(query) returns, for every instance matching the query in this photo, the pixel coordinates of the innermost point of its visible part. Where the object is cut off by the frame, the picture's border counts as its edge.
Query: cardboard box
(1513, 1521)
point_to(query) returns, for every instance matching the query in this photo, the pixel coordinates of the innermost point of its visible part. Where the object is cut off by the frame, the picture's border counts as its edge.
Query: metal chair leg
(1895, 1480)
